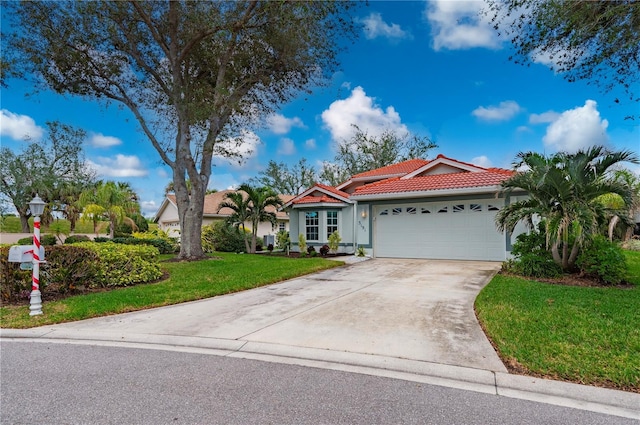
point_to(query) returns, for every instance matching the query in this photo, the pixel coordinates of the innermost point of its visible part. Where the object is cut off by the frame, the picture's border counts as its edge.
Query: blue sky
(435, 69)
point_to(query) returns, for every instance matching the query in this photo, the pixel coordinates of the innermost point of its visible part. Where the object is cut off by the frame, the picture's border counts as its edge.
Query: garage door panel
(465, 231)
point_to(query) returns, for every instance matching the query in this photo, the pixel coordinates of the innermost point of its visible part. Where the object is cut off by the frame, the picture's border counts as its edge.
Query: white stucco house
(167, 215)
(438, 209)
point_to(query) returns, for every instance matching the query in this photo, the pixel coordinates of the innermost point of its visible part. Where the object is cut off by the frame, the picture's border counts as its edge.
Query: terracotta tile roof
(400, 168)
(434, 182)
(213, 200)
(332, 190)
(317, 200)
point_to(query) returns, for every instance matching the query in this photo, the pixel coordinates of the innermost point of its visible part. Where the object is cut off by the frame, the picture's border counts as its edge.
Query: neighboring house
(167, 215)
(440, 209)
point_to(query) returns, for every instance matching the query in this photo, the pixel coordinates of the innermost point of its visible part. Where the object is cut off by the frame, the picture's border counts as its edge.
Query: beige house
(167, 215)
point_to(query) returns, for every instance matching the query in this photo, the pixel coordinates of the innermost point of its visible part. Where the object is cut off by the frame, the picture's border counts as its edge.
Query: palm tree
(111, 200)
(239, 203)
(563, 191)
(250, 204)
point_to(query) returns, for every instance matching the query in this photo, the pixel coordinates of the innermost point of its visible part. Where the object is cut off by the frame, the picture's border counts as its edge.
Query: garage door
(461, 230)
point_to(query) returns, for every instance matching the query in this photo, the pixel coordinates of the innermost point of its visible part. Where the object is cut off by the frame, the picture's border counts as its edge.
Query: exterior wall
(169, 221)
(345, 227)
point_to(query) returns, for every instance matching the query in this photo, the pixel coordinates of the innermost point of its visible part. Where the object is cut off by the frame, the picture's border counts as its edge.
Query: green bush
(77, 238)
(141, 222)
(164, 246)
(603, 260)
(222, 237)
(124, 264)
(531, 257)
(45, 240)
(123, 230)
(302, 244)
(15, 284)
(282, 240)
(101, 239)
(334, 241)
(70, 267)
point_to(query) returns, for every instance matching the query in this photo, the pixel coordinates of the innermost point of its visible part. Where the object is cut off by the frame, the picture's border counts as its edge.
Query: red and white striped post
(35, 304)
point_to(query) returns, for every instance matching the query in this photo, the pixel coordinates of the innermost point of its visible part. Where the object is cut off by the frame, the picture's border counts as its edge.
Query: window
(458, 208)
(332, 222)
(282, 226)
(493, 208)
(396, 211)
(311, 225)
(475, 207)
(424, 210)
(411, 210)
(443, 210)
(384, 212)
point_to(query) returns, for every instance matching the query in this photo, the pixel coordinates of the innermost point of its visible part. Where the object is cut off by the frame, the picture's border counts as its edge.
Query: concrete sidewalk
(407, 319)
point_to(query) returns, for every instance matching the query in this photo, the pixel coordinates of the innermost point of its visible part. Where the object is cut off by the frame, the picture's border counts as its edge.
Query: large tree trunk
(190, 210)
(24, 222)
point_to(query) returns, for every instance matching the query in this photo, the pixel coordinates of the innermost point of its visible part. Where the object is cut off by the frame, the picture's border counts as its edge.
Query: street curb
(600, 400)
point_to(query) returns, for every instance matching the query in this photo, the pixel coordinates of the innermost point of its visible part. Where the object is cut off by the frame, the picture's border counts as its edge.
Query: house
(440, 209)
(167, 215)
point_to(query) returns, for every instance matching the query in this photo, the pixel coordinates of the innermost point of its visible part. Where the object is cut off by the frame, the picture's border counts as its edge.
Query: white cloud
(279, 124)
(577, 128)
(375, 27)
(99, 140)
(459, 25)
(244, 148)
(286, 147)
(148, 208)
(19, 127)
(162, 173)
(523, 129)
(503, 112)
(310, 144)
(120, 166)
(482, 161)
(545, 117)
(360, 109)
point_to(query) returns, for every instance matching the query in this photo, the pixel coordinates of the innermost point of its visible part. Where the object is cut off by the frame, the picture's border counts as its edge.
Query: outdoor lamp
(36, 206)
(363, 213)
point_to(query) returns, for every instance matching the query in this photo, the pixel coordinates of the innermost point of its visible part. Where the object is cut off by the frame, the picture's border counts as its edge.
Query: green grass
(589, 335)
(11, 224)
(188, 281)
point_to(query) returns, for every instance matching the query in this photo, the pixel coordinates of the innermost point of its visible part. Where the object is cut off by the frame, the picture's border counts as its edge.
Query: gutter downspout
(355, 227)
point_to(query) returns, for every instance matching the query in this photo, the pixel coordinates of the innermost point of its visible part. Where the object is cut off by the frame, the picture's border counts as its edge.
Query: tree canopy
(364, 152)
(191, 73)
(48, 168)
(596, 41)
(288, 181)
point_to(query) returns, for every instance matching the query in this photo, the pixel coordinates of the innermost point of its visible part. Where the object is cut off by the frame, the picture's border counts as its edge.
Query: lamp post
(35, 305)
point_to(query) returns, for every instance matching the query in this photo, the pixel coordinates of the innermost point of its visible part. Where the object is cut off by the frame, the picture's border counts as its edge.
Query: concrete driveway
(400, 308)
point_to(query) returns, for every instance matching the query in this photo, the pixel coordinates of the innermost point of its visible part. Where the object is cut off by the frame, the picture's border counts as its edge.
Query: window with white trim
(282, 226)
(396, 211)
(384, 212)
(411, 210)
(311, 225)
(444, 209)
(458, 208)
(475, 207)
(332, 222)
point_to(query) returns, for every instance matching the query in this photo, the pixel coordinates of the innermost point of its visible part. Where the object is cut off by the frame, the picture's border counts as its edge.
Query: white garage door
(460, 230)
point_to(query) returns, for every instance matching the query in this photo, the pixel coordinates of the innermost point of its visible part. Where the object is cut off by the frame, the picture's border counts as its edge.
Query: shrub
(283, 241)
(101, 239)
(70, 267)
(123, 230)
(302, 243)
(123, 264)
(15, 284)
(311, 249)
(531, 257)
(141, 222)
(270, 247)
(361, 252)
(223, 237)
(164, 246)
(324, 250)
(77, 238)
(334, 241)
(603, 260)
(45, 240)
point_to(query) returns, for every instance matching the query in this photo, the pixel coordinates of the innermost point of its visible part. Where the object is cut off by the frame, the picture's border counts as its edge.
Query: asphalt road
(49, 383)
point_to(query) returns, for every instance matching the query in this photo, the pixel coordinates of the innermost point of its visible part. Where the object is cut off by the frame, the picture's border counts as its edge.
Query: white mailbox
(23, 254)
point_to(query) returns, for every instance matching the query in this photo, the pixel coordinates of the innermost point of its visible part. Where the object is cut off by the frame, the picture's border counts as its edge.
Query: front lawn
(588, 335)
(188, 281)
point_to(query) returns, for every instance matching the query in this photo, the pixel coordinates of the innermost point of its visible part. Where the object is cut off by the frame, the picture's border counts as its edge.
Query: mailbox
(23, 254)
